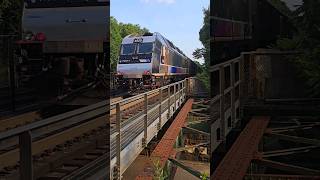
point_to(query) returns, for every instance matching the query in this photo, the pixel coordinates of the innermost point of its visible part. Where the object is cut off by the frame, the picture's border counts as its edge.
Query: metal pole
(26, 166)
(12, 72)
(118, 141)
(160, 112)
(222, 118)
(183, 89)
(169, 104)
(232, 75)
(241, 85)
(145, 120)
(180, 93)
(175, 97)
(187, 87)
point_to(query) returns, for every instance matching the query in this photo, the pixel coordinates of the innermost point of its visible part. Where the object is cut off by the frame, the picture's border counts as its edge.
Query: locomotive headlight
(144, 60)
(124, 60)
(28, 36)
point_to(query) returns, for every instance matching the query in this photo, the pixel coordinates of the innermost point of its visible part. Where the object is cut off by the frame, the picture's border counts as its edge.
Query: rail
(34, 131)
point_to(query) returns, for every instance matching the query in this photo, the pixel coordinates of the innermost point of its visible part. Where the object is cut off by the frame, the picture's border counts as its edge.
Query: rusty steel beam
(237, 160)
(197, 122)
(293, 128)
(280, 176)
(284, 152)
(199, 114)
(287, 167)
(165, 148)
(196, 130)
(191, 146)
(297, 139)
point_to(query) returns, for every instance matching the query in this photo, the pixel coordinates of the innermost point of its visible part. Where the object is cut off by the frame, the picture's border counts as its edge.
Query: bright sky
(177, 20)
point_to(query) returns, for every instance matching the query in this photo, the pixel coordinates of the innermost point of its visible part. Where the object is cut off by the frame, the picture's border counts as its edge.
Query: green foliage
(10, 16)
(204, 37)
(309, 69)
(307, 41)
(159, 172)
(115, 42)
(286, 44)
(204, 176)
(204, 77)
(118, 31)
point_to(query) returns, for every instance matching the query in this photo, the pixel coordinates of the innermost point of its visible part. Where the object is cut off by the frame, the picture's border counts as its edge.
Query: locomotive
(151, 61)
(63, 44)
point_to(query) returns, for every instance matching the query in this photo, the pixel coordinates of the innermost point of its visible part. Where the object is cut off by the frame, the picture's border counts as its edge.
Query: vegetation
(204, 176)
(118, 31)
(307, 41)
(204, 37)
(159, 172)
(10, 16)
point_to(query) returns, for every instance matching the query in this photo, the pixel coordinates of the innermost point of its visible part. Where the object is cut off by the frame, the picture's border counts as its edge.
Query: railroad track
(30, 117)
(49, 139)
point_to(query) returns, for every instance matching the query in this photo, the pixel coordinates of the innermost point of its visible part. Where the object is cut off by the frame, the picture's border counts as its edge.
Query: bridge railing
(130, 133)
(225, 103)
(251, 77)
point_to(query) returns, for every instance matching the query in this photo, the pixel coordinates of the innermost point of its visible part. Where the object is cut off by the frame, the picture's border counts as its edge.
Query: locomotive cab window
(145, 48)
(127, 49)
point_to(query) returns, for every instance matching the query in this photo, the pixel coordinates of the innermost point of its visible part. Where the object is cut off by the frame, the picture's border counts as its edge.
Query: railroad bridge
(73, 145)
(262, 124)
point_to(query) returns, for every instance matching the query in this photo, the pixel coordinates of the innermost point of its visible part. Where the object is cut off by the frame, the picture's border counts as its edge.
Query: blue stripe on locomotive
(173, 70)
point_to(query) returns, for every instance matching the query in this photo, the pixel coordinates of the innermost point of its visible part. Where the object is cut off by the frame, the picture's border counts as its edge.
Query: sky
(178, 20)
(292, 3)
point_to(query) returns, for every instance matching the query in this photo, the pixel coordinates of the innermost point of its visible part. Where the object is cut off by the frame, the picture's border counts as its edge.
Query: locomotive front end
(135, 60)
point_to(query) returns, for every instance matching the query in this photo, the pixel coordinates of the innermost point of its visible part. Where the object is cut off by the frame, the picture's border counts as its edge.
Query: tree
(115, 42)
(204, 37)
(306, 19)
(118, 31)
(10, 16)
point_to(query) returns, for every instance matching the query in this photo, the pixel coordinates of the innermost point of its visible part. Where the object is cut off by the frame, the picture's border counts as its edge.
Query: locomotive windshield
(64, 3)
(145, 48)
(128, 49)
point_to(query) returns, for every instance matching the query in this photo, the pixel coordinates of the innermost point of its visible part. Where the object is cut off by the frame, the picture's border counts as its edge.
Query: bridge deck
(164, 149)
(236, 162)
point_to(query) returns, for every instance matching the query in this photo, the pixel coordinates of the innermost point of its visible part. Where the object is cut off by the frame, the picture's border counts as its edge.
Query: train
(64, 44)
(150, 61)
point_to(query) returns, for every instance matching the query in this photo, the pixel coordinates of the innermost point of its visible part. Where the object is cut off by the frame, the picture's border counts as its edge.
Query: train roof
(161, 38)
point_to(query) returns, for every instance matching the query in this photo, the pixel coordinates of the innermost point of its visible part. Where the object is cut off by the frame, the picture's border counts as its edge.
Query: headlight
(28, 36)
